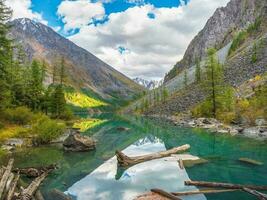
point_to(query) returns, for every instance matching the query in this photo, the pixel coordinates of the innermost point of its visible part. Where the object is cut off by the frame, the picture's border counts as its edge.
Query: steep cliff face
(220, 30)
(84, 70)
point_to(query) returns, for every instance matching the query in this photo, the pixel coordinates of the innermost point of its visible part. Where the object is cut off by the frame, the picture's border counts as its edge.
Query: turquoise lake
(95, 173)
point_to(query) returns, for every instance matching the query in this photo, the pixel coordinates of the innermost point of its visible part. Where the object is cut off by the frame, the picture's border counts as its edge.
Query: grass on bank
(20, 122)
(83, 101)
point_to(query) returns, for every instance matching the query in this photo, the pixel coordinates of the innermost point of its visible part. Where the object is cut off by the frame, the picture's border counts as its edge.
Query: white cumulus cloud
(76, 14)
(22, 8)
(153, 45)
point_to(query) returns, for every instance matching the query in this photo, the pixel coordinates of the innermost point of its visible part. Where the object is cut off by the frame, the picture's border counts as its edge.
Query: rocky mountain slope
(220, 30)
(246, 61)
(150, 85)
(83, 69)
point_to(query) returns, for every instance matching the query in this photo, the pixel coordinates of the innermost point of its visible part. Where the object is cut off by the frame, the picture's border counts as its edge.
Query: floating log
(12, 189)
(165, 194)
(5, 177)
(181, 164)
(250, 161)
(33, 172)
(259, 195)
(126, 161)
(224, 185)
(206, 191)
(27, 194)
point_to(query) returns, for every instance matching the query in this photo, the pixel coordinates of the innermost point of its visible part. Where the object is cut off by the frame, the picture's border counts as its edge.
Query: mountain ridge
(84, 70)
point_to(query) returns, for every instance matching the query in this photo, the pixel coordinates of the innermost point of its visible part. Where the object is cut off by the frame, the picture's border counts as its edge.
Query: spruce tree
(5, 55)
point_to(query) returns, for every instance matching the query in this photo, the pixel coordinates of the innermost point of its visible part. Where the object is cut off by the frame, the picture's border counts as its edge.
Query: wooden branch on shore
(12, 189)
(5, 177)
(224, 185)
(126, 161)
(206, 191)
(259, 195)
(28, 193)
(165, 194)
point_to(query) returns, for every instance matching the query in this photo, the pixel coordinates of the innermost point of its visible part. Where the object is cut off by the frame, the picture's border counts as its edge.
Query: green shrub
(255, 26)
(19, 115)
(45, 130)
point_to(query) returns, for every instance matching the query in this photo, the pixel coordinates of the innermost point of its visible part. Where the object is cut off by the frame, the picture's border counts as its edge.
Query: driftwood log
(206, 191)
(165, 194)
(126, 161)
(33, 172)
(224, 185)
(5, 177)
(28, 193)
(12, 189)
(259, 195)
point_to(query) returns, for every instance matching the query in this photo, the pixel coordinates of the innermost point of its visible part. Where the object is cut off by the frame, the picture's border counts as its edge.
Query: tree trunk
(224, 185)
(206, 191)
(5, 177)
(165, 194)
(27, 194)
(126, 161)
(12, 187)
(259, 195)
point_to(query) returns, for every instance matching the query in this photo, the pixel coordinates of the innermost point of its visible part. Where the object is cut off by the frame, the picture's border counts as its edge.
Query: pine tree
(5, 54)
(62, 70)
(58, 102)
(214, 83)
(198, 71)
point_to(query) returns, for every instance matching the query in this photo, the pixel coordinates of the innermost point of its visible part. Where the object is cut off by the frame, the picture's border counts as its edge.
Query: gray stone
(77, 142)
(260, 122)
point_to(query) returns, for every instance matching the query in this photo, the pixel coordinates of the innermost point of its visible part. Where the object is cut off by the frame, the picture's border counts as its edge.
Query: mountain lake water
(95, 176)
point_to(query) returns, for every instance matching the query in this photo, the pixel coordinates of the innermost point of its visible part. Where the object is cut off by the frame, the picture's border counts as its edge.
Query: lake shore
(259, 131)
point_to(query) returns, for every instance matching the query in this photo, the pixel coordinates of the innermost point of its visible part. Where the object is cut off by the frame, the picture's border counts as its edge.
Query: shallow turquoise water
(222, 151)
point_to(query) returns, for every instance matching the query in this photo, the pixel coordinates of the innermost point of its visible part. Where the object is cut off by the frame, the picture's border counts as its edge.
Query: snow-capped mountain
(149, 84)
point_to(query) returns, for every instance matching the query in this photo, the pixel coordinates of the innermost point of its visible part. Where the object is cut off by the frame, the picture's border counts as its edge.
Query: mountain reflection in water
(108, 182)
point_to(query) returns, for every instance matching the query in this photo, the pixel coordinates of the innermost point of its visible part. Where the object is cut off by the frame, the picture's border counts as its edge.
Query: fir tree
(5, 54)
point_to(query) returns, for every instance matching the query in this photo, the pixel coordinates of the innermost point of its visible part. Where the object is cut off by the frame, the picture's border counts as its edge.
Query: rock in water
(77, 142)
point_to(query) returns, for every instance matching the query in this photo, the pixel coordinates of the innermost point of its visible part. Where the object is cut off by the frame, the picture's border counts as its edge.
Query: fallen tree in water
(33, 172)
(126, 161)
(9, 182)
(204, 191)
(224, 185)
(259, 195)
(165, 194)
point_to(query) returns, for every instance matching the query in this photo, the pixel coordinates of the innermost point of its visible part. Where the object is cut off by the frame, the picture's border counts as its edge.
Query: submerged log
(33, 172)
(165, 194)
(12, 189)
(27, 194)
(206, 191)
(38, 195)
(126, 161)
(259, 195)
(5, 177)
(250, 161)
(224, 185)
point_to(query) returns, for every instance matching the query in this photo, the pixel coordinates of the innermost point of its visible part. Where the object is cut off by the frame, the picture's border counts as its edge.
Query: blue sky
(140, 38)
(48, 8)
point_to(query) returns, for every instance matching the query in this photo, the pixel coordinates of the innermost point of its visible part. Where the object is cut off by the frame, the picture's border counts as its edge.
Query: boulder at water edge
(77, 142)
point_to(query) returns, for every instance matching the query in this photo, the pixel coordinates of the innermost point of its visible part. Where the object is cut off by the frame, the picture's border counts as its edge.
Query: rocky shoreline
(259, 131)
